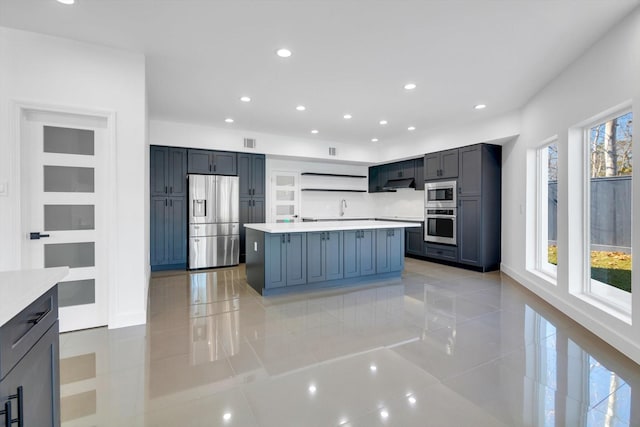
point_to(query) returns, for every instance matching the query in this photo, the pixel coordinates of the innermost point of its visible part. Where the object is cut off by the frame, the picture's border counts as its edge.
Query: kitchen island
(283, 257)
(29, 361)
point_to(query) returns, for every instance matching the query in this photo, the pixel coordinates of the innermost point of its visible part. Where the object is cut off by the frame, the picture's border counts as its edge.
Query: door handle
(37, 235)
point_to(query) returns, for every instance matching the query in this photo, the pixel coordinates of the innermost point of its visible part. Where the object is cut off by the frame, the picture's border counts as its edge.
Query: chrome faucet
(343, 206)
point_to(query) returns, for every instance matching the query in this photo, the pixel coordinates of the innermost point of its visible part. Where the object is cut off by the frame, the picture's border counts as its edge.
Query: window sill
(612, 301)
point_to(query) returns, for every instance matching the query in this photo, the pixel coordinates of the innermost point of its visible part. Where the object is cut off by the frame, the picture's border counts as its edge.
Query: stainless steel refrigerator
(214, 229)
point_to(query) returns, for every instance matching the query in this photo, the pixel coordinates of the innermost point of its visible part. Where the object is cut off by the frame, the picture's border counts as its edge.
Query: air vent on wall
(249, 143)
(332, 151)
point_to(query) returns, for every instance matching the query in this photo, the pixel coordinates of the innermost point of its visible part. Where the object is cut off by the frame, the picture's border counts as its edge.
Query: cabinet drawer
(19, 334)
(449, 253)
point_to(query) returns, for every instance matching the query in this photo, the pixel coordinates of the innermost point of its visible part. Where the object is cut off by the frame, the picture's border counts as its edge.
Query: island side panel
(255, 259)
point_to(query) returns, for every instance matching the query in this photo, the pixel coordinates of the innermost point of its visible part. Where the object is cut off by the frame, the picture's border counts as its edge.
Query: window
(609, 204)
(547, 208)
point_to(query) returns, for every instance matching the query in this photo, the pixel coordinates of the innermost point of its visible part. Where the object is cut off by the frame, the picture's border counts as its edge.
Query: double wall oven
(440, 212)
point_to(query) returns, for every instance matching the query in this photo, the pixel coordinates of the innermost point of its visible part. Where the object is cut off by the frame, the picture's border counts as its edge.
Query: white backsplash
(402, 203)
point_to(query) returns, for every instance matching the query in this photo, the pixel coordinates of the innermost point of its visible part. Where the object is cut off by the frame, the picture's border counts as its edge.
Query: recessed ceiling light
(283, 52)
(301, 108)
(374, 139)
(480, 107)
(411, 128)
(314, 131)
(373, 368)
(412, 400)
(226, 416)
(245, 99)
(228, 120)
(67, 1)
(383, 122)
(347, 116)
(312, 389)
(384, 414)
(410, 86)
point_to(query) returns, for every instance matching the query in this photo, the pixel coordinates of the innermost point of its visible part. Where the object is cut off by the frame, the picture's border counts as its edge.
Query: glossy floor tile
(441, 347)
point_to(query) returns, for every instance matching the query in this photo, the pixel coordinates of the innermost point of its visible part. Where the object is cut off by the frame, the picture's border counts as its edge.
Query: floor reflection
(442, 347)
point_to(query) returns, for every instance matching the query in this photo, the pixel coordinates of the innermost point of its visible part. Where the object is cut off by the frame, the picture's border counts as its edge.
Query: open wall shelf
(333, 174)
(333, 189)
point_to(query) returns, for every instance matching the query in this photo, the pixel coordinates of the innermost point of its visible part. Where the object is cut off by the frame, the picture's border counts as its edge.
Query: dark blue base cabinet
(282, 262)
(29, 366)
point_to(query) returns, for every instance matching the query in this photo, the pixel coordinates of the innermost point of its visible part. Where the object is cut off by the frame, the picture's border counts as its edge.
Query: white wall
(52, 71)
(163, 132)
(607, 75)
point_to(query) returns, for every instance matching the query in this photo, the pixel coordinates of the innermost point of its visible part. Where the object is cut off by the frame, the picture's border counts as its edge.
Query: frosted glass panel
(66, 179)
(285, 210)
(73, 255)
(68, 141)
(69, 217)
(76, 292)
(285, 181)
(285, 195)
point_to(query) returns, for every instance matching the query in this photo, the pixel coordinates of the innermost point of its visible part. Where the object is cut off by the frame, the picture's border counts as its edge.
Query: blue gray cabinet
(442, 164)
(324, 256)
(479, 206)
(252, 210)
(414, 241)
(359, 253)
(168, 233)
(251, 174)
(168, 167)
(379, 175)
(168, 211)
(389, 250)
(442, 252)
(212, 162)
(29, 365)
(285, 259)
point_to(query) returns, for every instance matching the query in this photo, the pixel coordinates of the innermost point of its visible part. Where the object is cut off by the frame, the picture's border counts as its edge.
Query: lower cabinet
(168, 232)
(285, 259)
(251, 211)
(389, 250)
(324, 256)
(469, 230)
(443, 252)
(359, 253)
(29, 350)
(414, 241)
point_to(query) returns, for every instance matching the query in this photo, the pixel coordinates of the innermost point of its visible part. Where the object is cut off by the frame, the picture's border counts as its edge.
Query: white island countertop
(310, 227)
(20, 288)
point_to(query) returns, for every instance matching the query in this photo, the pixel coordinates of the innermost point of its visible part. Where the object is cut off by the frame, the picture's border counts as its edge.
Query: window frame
(607, 296)
(541, 264)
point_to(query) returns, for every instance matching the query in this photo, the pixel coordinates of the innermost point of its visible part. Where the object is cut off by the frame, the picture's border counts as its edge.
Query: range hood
(394, 184)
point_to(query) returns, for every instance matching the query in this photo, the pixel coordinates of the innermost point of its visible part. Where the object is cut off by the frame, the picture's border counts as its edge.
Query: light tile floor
(441, 347)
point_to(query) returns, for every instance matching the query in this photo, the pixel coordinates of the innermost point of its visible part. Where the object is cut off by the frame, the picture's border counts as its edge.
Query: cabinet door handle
(209, 167)
(41, 315)
(283, 238)
(328, 235)
(8, 416)
(165, 189)
(288, 238)
(322, 236)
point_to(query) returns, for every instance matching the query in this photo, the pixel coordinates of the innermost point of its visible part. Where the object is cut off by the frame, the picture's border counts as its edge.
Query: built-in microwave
(440, 194)
(440, 225)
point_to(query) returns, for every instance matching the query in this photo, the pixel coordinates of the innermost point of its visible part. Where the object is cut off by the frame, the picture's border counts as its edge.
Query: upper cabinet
(252, 175)
(379, 175)
(443, 164)
(168, 167)
(212, 162)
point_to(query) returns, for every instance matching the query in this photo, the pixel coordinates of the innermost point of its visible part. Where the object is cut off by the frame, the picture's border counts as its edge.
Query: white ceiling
(349, 56)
